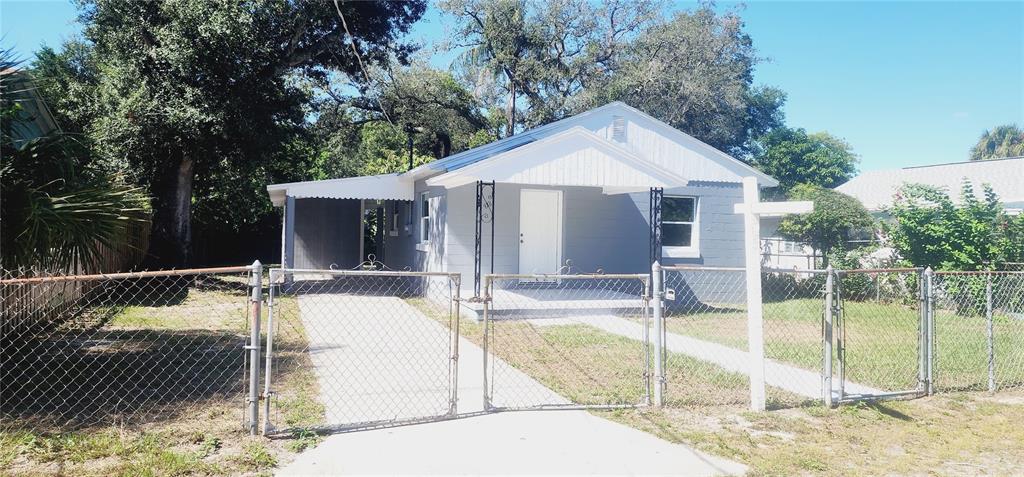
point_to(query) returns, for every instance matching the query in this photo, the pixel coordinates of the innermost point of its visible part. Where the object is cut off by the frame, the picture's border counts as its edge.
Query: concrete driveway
(517, 442)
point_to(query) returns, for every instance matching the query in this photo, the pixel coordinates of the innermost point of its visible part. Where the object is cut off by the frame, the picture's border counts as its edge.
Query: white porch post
(752, 209)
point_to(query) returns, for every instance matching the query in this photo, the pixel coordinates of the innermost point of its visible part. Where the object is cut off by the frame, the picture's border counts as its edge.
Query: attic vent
(619, 128)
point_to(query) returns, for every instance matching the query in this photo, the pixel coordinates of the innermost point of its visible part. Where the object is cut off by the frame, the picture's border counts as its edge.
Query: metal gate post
(487, 339)
(454, 314)
(990, 334)
(256, 298)
(827, 338)
(269, 356)
(929, 331)
(840, 323)
(659, 323)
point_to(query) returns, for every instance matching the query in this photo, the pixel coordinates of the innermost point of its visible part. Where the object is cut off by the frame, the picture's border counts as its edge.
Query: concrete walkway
(780, 375)
(523, 442)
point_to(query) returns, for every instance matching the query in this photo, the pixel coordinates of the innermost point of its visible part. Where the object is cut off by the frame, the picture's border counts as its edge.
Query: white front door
(540, 231)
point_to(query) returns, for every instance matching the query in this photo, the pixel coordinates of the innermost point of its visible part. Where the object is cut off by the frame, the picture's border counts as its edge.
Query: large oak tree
(189, 89)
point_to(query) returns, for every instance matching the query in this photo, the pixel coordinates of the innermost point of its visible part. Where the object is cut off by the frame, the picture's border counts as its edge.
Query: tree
(58, 211)
(792, 156)
(189, 89)
(695, 72)
(929, 229)
(1002, 141)
(828, 227)
(543, 54)
(368, 133)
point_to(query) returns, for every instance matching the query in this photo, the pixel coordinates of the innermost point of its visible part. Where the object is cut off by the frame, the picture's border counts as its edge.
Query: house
(876, 189)
(580, 192)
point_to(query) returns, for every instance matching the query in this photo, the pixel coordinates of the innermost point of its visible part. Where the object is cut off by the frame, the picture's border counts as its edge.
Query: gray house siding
(326, 232)
(607, 232)
(400, 249)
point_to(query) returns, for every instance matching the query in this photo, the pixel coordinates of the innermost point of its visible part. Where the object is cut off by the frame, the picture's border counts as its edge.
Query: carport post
(254, 347)
(826, 371)
(659, 368)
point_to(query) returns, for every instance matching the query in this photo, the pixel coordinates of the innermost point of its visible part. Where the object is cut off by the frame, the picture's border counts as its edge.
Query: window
(679, 230)
(424, 218)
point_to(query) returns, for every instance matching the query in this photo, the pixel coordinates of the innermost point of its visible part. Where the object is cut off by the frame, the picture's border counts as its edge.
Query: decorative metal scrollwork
(568, 269)
(487, 204)
(372, 264)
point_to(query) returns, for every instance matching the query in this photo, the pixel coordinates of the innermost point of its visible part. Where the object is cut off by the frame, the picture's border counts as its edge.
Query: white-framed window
(680, 226)
(424, 218)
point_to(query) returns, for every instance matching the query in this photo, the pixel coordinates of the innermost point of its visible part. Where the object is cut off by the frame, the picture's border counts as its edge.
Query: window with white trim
(679, 226)
(424, 218)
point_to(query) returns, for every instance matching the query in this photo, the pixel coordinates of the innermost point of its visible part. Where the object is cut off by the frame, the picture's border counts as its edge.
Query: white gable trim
(576, 157)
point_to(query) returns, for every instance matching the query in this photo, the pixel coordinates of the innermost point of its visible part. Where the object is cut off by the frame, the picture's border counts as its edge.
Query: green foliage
(694, 71)
(835, 216)
(58, 210)
(930, 230)
(534, 62)
(203, 103)
(1003, 141)
(792, 156)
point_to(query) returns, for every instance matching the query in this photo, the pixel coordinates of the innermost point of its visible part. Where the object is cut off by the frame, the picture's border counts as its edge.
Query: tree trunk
(170, 242)
(511, 114)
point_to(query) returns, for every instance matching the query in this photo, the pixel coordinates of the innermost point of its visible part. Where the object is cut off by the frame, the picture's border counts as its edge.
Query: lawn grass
(954, 434)
(199, 434)
(881, 341)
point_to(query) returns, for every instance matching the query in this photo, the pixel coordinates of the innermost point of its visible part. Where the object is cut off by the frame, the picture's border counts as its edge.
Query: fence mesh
(879, 339)
(567, 340)
(361, 349)
(979, 330)
(78, 351)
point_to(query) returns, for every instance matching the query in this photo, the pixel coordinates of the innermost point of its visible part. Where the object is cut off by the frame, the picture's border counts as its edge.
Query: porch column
(484, 214)
(288, 233)
(655, 215)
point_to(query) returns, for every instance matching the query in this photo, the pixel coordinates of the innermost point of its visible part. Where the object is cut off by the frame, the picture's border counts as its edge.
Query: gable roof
(876, 189)
(728, 168)
(575, 157)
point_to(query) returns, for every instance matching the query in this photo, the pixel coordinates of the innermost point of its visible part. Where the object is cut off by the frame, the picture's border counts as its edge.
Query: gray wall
(609, 232)
(327, 231)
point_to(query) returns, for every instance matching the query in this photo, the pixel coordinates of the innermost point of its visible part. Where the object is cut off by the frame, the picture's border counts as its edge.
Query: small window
(424, 218)
(679, 223)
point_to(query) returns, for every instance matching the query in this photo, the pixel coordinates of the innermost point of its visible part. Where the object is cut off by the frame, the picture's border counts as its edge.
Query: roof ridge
(1011, 158)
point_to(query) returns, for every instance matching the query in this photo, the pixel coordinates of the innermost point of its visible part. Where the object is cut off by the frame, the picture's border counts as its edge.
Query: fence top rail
(553, 276)
(274, 272)
(809, 271)
(126, 275)
(699, 268)
(882, 270)
(980, 272)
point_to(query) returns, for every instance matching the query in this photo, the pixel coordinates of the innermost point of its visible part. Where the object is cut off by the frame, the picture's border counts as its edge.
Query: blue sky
(905, 83)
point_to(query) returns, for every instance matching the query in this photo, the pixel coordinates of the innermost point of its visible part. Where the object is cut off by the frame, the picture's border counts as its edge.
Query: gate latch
(670, 294)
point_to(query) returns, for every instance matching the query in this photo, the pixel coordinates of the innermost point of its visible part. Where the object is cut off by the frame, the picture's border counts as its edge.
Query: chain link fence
(978, 320)
(566, 341)
(880, 340)
(358, 349)
(123, 349)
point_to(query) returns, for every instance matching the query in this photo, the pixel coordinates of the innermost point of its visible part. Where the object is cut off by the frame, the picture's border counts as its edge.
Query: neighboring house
(876, 189)
(34, 119)
(581, 189)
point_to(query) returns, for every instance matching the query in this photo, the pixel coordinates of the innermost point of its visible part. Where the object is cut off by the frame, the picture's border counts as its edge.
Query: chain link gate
(351, 349)
(566, 341)
(881, 320)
